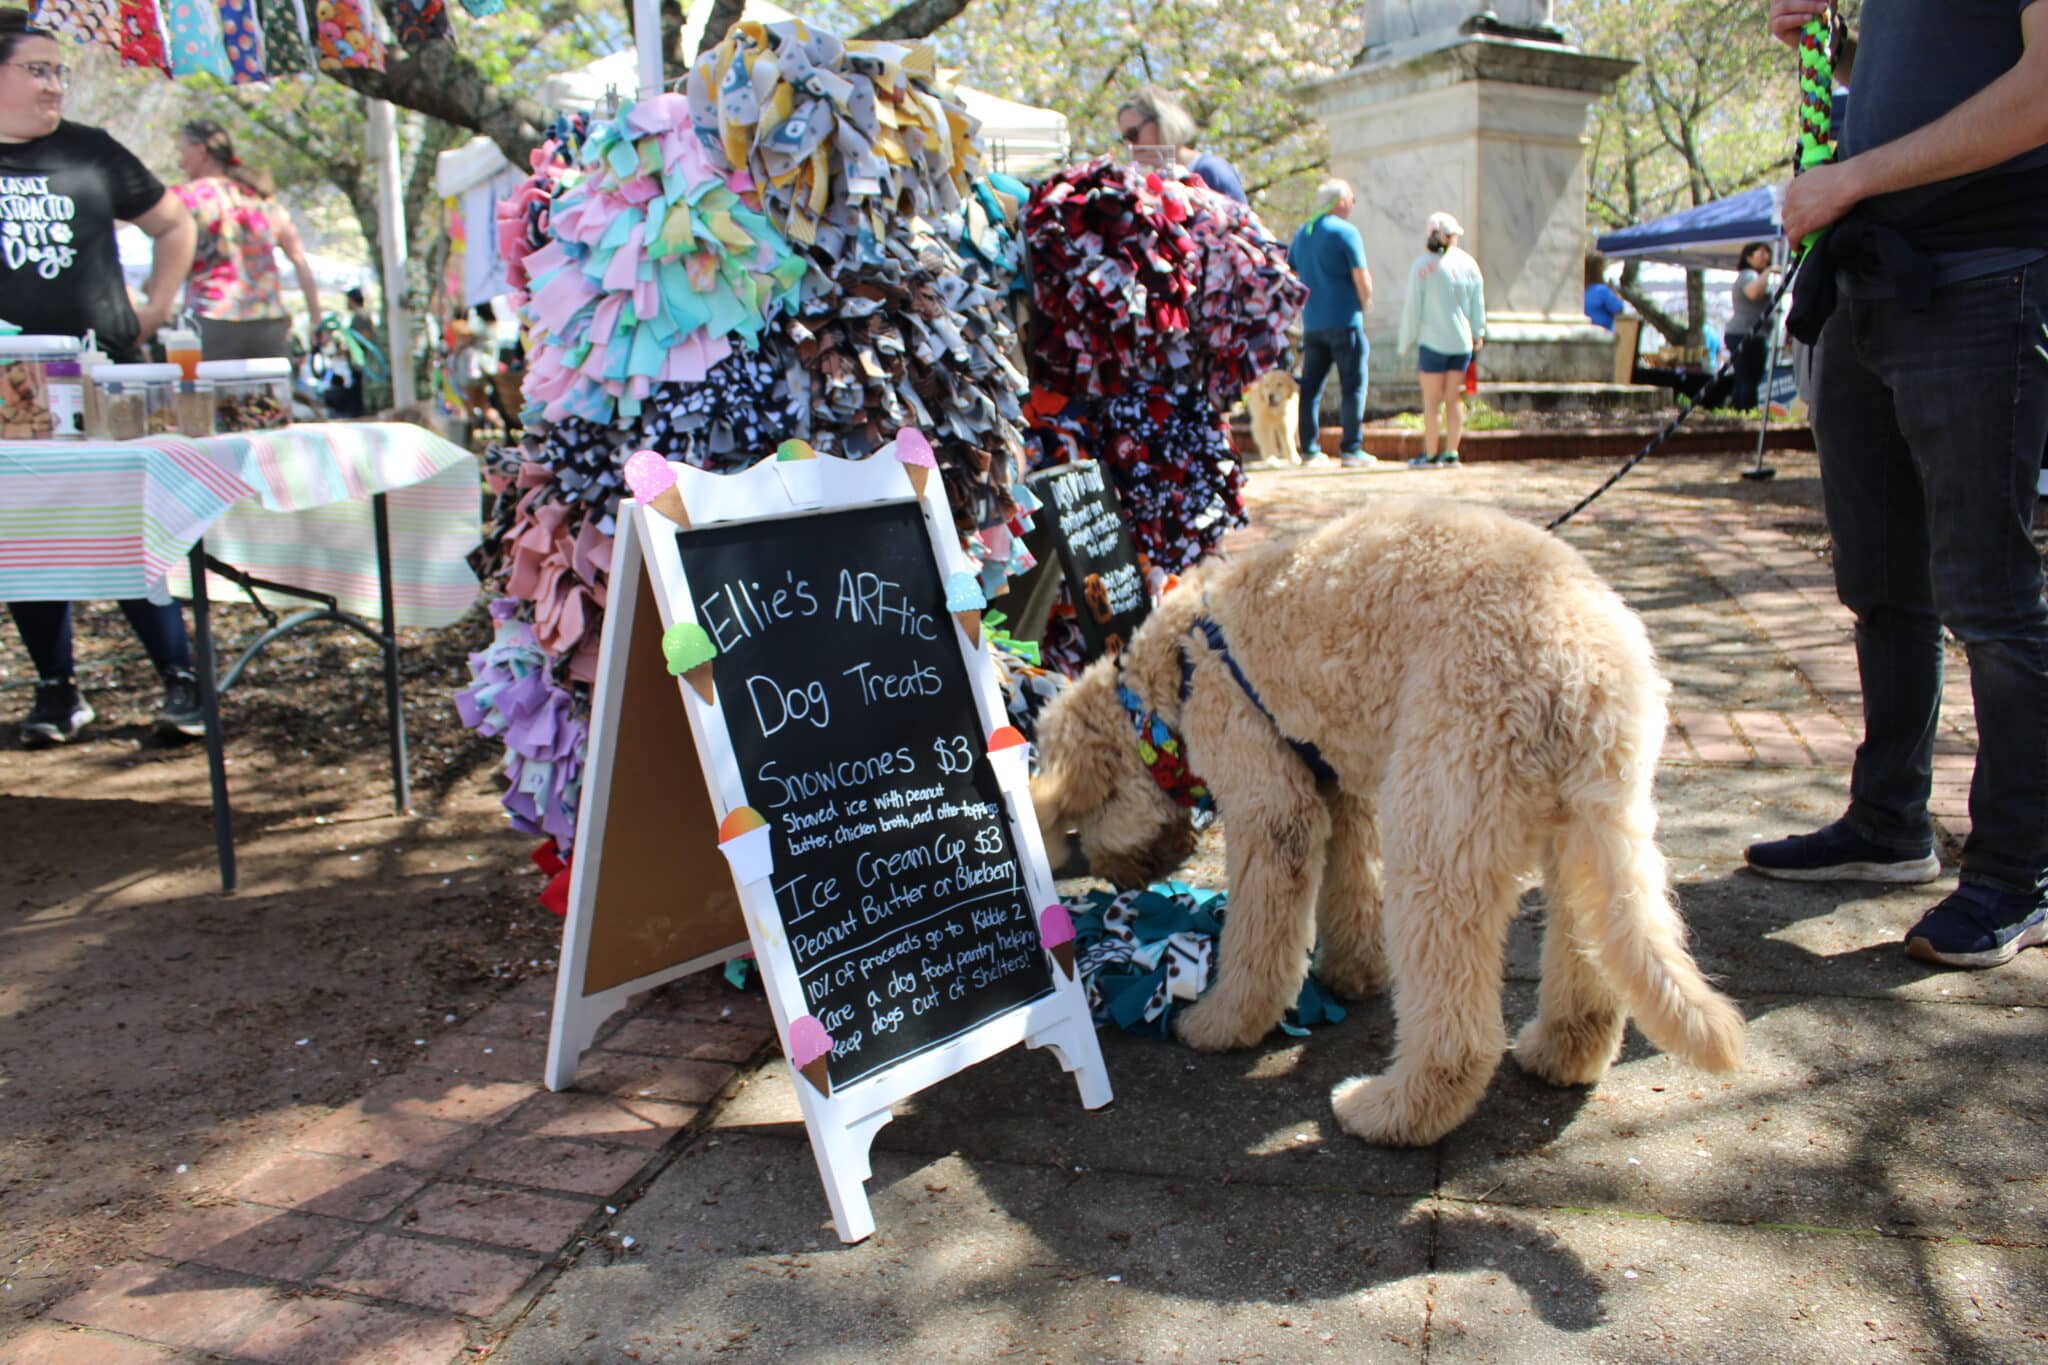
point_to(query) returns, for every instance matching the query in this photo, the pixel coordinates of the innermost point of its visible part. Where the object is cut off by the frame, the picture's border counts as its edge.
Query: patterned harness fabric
(1164, 752)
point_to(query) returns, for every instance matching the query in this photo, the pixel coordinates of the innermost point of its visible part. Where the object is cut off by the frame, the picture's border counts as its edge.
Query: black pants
(1750, 350)
(46, 629)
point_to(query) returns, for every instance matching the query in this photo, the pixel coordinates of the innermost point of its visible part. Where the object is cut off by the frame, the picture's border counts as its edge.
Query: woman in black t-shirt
(62, 188)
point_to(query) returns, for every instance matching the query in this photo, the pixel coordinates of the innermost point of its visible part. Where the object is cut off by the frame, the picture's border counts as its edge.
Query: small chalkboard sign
(1096, 555)
(858, 740)
(873, 809)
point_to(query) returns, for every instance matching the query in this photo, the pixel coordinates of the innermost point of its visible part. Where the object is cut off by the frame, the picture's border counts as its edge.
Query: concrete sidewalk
(1869, 1188)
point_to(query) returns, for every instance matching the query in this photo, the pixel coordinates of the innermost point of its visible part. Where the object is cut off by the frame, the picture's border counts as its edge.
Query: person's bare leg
(1454, 408)
(1432, 401)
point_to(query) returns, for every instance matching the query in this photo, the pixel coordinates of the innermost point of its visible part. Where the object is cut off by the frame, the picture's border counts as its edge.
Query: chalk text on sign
(736, 612)
(870, 599)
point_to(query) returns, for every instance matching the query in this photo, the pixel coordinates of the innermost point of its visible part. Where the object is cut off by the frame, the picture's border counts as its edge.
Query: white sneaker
(1357, 459)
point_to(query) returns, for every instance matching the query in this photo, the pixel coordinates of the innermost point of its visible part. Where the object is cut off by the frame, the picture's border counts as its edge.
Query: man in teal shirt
(1329, 255)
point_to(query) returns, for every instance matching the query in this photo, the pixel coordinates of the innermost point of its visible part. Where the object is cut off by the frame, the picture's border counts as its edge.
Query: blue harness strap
(1213, 633)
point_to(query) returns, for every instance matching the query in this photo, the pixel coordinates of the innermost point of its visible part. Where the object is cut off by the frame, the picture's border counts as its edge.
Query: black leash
(1687, 405)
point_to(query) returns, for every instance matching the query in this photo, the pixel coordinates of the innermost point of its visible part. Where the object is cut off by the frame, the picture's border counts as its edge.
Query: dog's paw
(1380, 1112)
(1351, 980)
(1207, 1028)
(1575, 1053)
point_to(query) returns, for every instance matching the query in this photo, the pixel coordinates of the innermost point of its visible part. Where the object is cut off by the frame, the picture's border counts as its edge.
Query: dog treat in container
(29, 411)
(250, 395)
(194, 406)
(137, 400)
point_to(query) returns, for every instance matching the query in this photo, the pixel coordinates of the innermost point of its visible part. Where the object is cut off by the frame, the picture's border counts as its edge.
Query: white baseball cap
(1443, 225)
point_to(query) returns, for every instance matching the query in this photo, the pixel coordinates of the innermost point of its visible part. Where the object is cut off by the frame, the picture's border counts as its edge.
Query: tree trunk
(917, 19)
(1695, 308)
(1670, 328)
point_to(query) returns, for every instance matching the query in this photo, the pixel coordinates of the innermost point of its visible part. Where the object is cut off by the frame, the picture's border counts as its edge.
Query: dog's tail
(1618, 888)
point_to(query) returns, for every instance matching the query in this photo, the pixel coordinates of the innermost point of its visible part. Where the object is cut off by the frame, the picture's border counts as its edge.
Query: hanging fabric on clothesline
(345, 38)
(142, 36)
(420, 22)
(195, 43)
(241, 31)
(286, 49)
(93, 22)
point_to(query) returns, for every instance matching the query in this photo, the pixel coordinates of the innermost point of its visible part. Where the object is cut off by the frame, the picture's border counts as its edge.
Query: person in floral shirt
(234, 289)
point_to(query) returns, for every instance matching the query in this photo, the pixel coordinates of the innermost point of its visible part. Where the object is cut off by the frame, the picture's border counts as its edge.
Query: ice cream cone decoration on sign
(654, 485)
(743, 839)
(797, 465)
(810, 1048)
(1009, 754)
(915, 453)
(965, 599)
(1056, 933)
(689, 652)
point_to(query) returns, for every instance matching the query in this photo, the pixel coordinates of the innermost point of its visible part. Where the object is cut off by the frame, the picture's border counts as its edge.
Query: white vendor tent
(1022, 140)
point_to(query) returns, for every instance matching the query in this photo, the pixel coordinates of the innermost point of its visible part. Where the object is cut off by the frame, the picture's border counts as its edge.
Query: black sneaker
(1839, 853)
(59, 714)
(182, 712)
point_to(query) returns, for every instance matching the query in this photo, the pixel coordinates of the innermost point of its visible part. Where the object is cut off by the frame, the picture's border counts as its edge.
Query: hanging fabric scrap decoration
(781, 258)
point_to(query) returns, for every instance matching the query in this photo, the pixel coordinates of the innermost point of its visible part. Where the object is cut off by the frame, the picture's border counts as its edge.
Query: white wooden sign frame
(843, 1123)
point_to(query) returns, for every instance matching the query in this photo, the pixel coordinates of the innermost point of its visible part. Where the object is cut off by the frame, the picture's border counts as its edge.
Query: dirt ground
(156, 1031)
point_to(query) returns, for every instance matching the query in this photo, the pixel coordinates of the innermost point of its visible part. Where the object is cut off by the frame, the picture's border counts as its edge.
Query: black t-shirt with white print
(60, 270)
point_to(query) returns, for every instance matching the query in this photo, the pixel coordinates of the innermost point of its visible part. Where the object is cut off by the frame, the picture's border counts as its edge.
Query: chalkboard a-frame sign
(1097, 558)
(874, 819)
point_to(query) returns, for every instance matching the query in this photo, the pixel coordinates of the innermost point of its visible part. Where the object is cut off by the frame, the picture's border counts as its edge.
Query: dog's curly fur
(1490, 708)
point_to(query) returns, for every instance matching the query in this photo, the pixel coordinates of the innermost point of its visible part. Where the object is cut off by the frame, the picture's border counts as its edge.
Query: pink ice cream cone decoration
(810, 1049)
(915, 453)
(653, 484)
(1056, 932)
(743, 837)
(1010, 755)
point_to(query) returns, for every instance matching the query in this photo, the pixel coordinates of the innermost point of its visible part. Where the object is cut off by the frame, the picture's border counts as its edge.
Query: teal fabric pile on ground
(1144, 954)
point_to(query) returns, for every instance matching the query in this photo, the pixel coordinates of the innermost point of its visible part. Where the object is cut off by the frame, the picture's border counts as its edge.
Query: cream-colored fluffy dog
(1273, 402)
(1485, 707)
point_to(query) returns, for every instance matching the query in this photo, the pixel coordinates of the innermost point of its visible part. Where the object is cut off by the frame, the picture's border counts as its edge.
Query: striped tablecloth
(96, 520)
(86, 522)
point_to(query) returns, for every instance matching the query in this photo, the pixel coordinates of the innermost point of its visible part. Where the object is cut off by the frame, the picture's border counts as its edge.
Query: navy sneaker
(1839, 853)
(1978, 926)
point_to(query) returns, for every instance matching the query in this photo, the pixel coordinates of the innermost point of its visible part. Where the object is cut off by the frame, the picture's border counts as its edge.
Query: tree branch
(439, 82)
(916, 19)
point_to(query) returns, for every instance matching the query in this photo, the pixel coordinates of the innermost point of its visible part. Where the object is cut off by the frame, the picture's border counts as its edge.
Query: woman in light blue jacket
(1444, 322)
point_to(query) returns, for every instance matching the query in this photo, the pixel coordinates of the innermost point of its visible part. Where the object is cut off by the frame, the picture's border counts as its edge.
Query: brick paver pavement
(414, 1224)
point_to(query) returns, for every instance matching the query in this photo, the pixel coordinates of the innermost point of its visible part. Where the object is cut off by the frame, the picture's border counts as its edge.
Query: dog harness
(1164, 752)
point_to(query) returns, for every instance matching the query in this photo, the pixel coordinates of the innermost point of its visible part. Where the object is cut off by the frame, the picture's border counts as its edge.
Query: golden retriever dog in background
(1482, 707)
(1274, 404)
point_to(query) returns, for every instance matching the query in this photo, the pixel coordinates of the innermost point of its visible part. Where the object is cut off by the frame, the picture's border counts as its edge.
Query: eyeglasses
(45, 73)
(1131, 133)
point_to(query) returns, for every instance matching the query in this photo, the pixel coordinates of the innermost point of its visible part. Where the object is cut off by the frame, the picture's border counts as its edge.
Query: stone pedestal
(1488, 122)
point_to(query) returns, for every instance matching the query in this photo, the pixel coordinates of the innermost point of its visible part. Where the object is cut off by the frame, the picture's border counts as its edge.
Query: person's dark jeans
(1931, 426)
(1750, 356)
(46, 630)
(1345, 349)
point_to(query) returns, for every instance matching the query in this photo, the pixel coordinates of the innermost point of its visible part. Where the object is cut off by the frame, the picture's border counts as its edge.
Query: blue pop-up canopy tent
(1706, 236)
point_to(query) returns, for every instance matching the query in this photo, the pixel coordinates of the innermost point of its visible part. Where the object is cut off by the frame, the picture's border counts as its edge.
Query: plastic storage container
(136, 400)
(194, 406)
(250, 395)
(31, 407)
